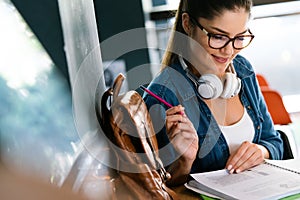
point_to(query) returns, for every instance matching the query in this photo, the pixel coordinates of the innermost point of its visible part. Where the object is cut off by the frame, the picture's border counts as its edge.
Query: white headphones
(210, 86)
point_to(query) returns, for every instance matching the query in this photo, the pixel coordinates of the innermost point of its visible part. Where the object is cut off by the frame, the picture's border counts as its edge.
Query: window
(275, 52)
(36, 121)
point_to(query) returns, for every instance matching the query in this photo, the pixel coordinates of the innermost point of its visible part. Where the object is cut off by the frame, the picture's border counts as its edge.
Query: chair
(287, 150)
(276, 107)
(262, 81)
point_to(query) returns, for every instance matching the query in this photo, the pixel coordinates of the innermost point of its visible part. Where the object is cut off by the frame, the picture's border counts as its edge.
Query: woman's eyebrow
(224, 32)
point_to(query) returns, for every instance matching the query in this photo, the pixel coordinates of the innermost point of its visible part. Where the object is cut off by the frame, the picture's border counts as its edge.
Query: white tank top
(239, 132)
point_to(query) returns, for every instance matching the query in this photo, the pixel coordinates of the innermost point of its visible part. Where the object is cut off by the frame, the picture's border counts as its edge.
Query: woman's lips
(220, 59)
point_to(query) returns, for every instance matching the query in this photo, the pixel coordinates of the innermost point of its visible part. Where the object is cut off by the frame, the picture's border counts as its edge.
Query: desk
(186, 194)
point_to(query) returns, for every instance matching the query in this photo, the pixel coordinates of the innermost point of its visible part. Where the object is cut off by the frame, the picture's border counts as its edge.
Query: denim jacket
(175, 87)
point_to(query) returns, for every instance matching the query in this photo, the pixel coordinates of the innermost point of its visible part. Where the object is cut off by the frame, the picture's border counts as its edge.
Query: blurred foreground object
(14, 186)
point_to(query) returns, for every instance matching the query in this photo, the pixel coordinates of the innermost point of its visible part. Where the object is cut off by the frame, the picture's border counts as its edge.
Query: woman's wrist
(265, 151)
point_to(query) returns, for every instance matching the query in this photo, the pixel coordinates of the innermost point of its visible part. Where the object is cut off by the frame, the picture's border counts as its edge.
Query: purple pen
(157, 97)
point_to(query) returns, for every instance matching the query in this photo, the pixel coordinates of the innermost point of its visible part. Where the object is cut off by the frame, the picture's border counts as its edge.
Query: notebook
(273, 179)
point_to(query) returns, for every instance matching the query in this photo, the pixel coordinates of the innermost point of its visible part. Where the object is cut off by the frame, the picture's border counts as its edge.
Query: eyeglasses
(219, 41)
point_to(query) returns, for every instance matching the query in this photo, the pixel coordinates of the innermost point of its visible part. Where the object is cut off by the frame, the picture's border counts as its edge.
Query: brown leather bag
(138, 170)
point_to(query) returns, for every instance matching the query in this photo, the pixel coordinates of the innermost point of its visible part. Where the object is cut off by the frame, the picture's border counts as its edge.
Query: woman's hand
(184, 138)
(247, 156)
(182, 133)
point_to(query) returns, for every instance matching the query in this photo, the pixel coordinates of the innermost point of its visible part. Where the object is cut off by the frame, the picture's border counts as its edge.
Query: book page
(261, 182)
(292, 164)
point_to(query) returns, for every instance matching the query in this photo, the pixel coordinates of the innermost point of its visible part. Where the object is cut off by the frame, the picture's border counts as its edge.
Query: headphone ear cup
(232, 86)
(210, 86)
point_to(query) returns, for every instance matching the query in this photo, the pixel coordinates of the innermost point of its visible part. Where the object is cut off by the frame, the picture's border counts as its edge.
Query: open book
(274, 179)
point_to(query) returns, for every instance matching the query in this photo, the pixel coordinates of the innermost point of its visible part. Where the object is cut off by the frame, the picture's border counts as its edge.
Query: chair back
(262, 81)
(287, 150)
(276, 107)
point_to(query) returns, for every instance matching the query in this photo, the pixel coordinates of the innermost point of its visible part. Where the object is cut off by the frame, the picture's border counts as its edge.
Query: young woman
(219, 119)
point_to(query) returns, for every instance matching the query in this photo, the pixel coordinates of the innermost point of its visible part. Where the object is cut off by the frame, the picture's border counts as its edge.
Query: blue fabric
(173, 85)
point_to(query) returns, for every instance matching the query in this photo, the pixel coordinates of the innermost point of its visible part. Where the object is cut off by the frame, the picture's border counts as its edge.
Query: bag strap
(111, 92)
(117, 85)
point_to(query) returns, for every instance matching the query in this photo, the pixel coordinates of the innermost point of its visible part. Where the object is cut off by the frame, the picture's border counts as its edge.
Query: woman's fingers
(248, 155)
(175, 110)
(185, 140)
(181, 132)
(174, 116)
(182, 128)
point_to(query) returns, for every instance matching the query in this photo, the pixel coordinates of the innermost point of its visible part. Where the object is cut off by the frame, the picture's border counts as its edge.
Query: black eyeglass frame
(209, 35)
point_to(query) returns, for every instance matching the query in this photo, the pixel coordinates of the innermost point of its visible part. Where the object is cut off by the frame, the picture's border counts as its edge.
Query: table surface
(186, 194)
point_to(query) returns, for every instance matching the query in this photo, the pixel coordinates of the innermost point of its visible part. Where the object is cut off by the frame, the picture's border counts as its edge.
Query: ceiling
(165, 12)
(261, 2)
(43, 18)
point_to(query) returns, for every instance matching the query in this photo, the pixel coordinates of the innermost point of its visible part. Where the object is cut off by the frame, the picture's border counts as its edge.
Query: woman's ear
(186, 23)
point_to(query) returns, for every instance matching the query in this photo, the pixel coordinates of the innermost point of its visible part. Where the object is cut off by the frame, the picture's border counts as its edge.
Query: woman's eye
(219, 37)
(241, 38)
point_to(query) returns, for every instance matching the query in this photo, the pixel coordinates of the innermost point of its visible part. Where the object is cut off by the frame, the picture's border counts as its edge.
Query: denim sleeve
(269, 137)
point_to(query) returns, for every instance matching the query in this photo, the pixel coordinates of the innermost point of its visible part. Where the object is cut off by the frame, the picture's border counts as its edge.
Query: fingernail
(231, 171)
(238, 171)
(229, 167)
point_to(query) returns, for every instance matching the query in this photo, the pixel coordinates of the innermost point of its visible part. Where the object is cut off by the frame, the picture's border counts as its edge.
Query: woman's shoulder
(170, 76)
(239, 59)
(242, 66)
(171, 84)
